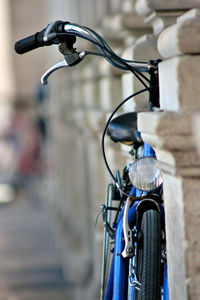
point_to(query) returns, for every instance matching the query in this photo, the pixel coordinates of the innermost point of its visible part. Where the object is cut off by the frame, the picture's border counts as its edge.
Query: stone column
(7, 82)
(171, 134)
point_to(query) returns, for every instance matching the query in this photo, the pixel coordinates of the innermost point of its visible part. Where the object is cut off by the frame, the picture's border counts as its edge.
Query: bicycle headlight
(144, 174)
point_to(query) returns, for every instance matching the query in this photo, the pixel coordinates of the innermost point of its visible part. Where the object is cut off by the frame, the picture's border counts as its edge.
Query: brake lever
(69, 61)
(128, 251)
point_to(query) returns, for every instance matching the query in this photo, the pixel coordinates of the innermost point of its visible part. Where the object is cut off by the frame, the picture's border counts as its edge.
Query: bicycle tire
(148, 258)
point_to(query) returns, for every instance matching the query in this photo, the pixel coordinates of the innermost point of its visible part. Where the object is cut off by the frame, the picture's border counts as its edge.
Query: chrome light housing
(144, 174)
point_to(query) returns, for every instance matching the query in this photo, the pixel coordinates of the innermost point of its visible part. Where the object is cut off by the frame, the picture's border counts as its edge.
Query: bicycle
(136, 226)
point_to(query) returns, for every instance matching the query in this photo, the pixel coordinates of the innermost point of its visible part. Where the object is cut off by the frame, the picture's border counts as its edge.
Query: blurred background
(52, 177)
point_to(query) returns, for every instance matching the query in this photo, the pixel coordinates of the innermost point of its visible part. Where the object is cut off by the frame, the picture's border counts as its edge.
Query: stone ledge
(191, 172)
(178, 159)
(124, 21)
(144, 7)
(180, 38)
(165, 123)
(175, 159)
(165, 130)
(173, 142)
(192, 13)
(171, 137)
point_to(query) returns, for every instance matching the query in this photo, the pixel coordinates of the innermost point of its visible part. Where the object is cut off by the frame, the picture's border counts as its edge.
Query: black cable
(94, 41)
(105, 130)
(102, 41)
(105, 56)
(105, 44)
(132, 69)
(98, 54)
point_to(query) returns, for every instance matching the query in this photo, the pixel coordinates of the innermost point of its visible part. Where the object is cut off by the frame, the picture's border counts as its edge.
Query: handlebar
(65, 33)
(46, 37)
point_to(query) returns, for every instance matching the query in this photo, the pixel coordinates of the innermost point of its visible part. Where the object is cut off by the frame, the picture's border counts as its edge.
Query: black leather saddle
(124, 129)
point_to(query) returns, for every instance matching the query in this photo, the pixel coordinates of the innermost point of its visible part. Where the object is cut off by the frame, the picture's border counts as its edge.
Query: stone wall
(170, 132)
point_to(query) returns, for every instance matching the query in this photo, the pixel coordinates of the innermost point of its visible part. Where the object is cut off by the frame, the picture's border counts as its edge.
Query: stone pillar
(71, 173)
(171, 134)
(7, 82)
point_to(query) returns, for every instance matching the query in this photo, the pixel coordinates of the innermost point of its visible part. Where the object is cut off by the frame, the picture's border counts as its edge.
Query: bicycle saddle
(124, 129)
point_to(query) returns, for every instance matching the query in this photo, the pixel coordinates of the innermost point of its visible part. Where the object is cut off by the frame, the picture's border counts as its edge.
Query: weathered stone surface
(182, 204)
(175, 142)
(144, 7)
(180, 38)
(129, 86)
(170, 37)
(178, 91)
(165, 123)
(166, 130)
(128, 6)
(144, 49)
(105, 70)
(171, 136)
(110, 92)
(196, 131)
(191, 190)
(177, 159)
(102, 9)
(162, 19)
(96, 121)
(176, 240)
(128, 20)
(192, 13)
(90, 86)
(7, 84)
(114, 6)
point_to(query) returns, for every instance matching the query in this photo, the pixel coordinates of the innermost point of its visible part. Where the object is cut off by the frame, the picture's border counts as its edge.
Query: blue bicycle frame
(117, 288)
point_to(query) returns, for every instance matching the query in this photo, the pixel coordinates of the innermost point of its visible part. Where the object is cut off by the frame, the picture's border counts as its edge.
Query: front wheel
(148, 257)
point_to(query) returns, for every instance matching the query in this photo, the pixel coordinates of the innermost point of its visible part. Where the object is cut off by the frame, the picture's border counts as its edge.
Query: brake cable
(103, 144)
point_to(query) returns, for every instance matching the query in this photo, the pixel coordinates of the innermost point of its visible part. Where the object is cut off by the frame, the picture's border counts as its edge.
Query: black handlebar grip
(37, 40)
(30, 43)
